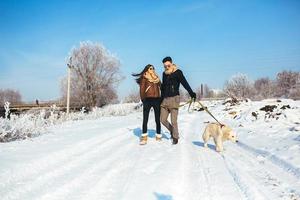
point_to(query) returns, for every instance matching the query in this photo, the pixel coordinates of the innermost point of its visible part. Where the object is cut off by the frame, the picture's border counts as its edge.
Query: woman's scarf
(153, 78)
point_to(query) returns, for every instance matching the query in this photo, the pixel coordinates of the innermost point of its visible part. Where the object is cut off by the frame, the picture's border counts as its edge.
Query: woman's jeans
(148, 103)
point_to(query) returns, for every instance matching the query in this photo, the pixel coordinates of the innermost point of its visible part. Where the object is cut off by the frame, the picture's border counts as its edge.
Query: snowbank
(102, 158)
(34, 123)
(269, 125)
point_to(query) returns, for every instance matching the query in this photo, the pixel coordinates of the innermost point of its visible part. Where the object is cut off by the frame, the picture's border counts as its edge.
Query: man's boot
(175, 141)
(171, 135)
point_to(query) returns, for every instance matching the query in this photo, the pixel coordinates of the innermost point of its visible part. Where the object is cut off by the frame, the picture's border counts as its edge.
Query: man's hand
(193, 96)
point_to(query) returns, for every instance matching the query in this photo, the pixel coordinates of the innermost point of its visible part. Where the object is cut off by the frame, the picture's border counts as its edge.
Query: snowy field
(101, 158)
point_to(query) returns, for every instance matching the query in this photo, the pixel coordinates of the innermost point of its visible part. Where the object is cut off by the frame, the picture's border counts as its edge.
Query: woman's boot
(143, 139)
(158, 137)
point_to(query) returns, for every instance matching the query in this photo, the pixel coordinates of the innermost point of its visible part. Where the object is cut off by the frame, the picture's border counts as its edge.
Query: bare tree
(12, 96)
(287, 82)
(239, 86)
(295, 91)
(264, 88)
(133, 97)
(94, 77)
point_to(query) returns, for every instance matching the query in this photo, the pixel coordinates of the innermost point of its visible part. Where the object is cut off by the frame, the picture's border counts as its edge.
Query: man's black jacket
(171, 82)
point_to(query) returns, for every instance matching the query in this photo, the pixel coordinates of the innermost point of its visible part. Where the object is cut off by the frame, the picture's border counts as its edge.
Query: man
(172, 78)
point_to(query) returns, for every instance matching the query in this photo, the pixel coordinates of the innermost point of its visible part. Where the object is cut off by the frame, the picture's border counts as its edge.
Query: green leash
(176, 107)
(205, 108)
(190, 102)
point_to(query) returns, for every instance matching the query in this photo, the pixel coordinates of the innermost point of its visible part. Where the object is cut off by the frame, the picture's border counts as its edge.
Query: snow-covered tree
(287, 82)
(132, 97)
(264, 88)
(95, 73)
(294, 92)
(239, 86)
(12, 96)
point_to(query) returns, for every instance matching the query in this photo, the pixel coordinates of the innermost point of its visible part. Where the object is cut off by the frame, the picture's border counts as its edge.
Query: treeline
(10, 95)
(95, 75)
(285, 85)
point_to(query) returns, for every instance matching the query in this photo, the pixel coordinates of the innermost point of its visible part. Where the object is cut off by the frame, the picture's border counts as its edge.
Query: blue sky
(210, 40)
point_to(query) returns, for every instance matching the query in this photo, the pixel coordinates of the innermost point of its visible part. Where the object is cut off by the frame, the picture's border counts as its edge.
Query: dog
(219, 133)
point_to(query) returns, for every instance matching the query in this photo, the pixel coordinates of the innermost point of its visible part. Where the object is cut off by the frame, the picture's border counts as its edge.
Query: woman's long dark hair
(140, 75)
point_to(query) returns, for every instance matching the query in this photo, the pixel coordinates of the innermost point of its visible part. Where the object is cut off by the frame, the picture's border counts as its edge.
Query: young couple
(163, 97)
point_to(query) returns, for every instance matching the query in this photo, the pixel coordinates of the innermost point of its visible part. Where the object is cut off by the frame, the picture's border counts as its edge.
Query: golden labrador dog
(219, 134)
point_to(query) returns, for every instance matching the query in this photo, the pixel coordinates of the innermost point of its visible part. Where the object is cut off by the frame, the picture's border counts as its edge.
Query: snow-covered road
(101, 159)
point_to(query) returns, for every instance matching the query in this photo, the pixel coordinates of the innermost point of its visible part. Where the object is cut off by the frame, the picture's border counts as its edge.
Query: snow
(97, 156)
(34, 123)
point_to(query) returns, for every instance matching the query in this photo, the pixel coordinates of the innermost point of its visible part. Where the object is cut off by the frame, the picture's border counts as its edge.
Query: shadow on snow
(160, 196)
(151, 133)
(201, 144)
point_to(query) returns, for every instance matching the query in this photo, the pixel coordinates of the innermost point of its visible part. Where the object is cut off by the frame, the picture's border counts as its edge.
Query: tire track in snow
(120, 178)
(187, 169)
(53, 159)
(205, 173)
(139, 167)
(194, 158)
(268, 176)
(26, 171)
(129, 178)
(155, 157)
(210, 163)
(123, 179)
(202, 164)
(77, 186)
(243, 181)
(48, 178)
(273, 158)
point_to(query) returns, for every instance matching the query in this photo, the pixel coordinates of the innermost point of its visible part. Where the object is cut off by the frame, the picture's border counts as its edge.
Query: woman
(150, 95)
